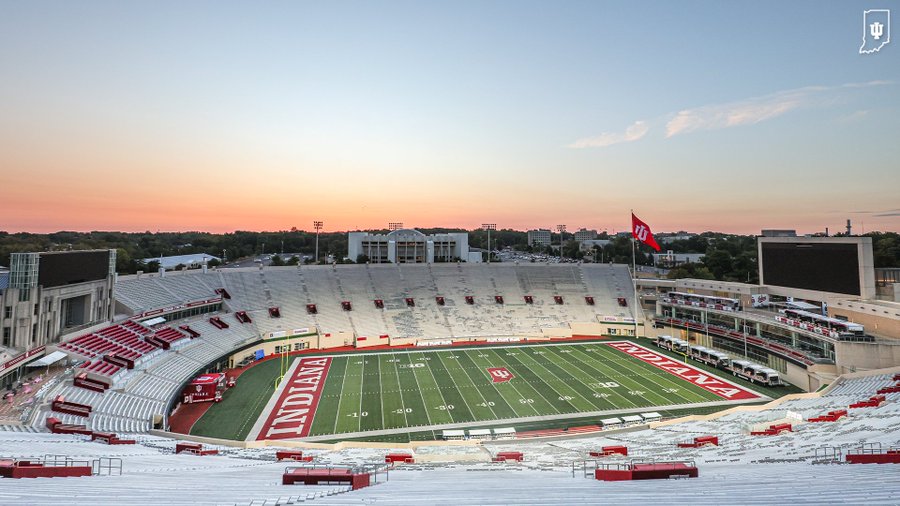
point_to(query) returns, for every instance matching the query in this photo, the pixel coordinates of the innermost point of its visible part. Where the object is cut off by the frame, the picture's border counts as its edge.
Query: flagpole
(634, 275)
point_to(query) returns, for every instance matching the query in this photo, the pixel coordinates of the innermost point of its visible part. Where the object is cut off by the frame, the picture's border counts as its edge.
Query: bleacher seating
(125, 340)
(761, 470)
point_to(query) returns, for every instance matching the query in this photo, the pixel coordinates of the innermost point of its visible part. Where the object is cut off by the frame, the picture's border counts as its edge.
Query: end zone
(290, 411)
(709, 382)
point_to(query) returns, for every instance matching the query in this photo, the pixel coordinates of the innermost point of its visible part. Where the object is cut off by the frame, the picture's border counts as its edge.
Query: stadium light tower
(489, 227)
(562, 230)
(317, 224)
(395, 226)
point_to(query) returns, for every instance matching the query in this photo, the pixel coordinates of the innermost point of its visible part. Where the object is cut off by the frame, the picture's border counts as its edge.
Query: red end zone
(292, 415)
(704, 380)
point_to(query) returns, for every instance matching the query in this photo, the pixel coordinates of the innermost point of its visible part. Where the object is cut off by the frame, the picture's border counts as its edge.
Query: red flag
(641, 232)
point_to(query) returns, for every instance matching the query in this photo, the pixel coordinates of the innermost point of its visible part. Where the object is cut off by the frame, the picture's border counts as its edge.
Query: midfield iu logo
(499, 374)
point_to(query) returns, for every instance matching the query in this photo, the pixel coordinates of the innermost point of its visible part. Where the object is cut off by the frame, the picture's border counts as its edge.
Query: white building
(407, 246)
(589, 244)
(584, 234)
(671, 259)
(539, 237)
(669, 239)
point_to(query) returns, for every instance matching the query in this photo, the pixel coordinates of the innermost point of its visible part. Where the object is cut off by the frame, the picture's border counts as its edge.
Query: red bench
(218, 323)
(872, 402)
(111, 439)
(41, 469)
(507, 456)
(890, 456)
(316, 475)
(193, 333)
(832, 416)
(294, 455)
(646, 471)
(193, 449)
(700, 441)
(607, 451)
(773, 430)
(57, 427)
(83, 381)
(393, 458)
(60, 405)
(889, 390)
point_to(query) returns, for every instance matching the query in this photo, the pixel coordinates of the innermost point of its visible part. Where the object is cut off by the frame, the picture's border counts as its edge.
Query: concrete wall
(866, 356)
(268, 347)
(335, 340)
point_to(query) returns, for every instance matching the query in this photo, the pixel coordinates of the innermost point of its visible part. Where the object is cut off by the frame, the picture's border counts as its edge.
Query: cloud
(749, 111)
(743, 112)
(889, 213)
(757, 109)
(634, 132)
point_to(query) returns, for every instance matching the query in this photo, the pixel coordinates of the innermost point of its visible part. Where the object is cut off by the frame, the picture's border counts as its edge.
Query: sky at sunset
(222, 116)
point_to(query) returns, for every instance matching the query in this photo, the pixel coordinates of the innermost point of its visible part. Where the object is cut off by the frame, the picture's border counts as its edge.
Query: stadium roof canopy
(190, 260)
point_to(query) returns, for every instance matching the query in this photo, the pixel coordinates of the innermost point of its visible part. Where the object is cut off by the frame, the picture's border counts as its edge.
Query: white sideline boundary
(264, 415)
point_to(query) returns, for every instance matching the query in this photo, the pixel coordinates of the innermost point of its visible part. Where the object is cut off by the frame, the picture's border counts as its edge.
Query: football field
(425, 388)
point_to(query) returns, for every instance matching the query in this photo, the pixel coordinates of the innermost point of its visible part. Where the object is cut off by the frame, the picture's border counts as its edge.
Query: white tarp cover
(50, 359)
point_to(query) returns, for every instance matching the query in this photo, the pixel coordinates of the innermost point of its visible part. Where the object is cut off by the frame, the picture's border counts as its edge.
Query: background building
(189, 261)
(779, 233)
(584, 234)
(670, 259)
(539, 237)
(407, 246)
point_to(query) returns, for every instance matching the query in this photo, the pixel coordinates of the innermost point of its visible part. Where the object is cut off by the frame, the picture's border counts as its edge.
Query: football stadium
(415, 376)
(292, 252)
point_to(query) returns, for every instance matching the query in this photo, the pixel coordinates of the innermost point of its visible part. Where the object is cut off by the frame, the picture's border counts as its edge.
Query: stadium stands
(339, 299)
(765, 470)
(772, 469)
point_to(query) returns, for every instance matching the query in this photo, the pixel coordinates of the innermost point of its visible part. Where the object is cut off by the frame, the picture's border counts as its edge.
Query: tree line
(727, 257)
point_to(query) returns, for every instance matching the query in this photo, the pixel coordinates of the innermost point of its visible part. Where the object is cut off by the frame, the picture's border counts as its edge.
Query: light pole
(317, 224)
(562, 230)
(489, 227)
(392, 227)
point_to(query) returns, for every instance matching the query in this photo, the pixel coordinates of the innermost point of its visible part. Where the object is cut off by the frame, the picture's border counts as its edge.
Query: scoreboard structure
(842, 266)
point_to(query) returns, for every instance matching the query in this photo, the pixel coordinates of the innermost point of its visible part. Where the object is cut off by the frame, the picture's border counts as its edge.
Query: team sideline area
(802, 464)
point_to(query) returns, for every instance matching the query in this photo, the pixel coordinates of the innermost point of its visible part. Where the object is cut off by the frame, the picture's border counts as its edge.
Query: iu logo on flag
(499, 374)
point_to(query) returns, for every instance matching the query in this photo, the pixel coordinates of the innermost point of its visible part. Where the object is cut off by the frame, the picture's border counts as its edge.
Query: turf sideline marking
(291, 415)
(704, 380)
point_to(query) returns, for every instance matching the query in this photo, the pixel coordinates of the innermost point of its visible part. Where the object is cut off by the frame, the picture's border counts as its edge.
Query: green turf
(410, 389)
(240, 407)
(406, 437)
